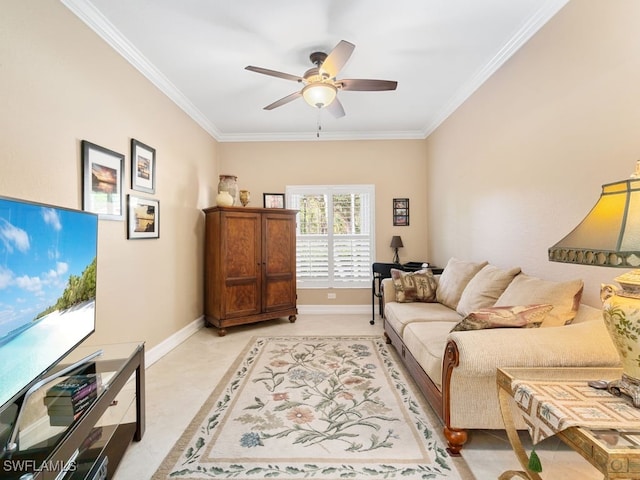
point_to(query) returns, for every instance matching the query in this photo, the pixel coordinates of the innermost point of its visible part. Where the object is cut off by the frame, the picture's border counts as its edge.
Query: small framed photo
(143, 167)
(143, 219)
(401, 212)
(273, 200)
(102, 173)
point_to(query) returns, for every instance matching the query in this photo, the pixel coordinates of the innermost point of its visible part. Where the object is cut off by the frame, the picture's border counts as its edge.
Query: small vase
(245, 196)
(229, 183)
(224, 199)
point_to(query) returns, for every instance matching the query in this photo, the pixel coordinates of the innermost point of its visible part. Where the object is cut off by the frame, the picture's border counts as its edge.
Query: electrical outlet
(331, 296)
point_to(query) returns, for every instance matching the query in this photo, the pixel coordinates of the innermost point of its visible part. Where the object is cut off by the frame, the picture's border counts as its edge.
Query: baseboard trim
(333, 309)
(156, 353)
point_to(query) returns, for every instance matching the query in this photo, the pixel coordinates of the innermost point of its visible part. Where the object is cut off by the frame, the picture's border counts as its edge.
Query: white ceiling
(195, 51)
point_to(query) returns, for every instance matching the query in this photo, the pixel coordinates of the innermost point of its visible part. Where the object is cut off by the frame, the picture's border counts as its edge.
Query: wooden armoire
(250, 265)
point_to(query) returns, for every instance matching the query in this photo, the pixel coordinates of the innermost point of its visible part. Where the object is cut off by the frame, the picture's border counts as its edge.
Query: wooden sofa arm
(456, 437)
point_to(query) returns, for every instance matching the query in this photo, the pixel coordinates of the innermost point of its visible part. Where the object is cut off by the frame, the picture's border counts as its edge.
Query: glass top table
(52, 438)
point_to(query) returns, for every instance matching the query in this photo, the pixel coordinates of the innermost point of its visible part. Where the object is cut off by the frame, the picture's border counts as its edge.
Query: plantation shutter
(334, 235)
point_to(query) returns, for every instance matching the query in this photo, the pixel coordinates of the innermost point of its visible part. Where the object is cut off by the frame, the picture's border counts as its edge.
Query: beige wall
(523, 160)
(508, 174)
(270, 166)
(60, 84)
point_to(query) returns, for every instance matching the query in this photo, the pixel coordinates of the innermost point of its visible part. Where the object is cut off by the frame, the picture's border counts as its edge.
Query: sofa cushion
(455, 277)
(485, 288)
(528, 316)
(564, 296)
(399, 315)
(417, 286)
(426, 342)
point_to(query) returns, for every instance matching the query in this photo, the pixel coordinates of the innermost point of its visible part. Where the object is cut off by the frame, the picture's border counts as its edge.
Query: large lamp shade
(609, 236)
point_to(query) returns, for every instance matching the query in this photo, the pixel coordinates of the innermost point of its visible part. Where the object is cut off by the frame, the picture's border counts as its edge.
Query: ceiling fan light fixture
(319, 95)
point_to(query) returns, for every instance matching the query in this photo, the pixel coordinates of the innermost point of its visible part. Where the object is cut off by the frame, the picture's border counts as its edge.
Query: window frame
(292, 191)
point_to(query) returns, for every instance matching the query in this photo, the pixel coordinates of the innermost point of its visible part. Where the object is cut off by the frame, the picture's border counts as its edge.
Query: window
(335, 234)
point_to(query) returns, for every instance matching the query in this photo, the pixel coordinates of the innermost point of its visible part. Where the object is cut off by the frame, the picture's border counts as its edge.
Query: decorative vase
(621, 312)
(229, 183)
(245, 196)
(224, 199)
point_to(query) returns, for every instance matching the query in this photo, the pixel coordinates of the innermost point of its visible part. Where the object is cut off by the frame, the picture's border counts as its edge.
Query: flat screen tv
(47, 289)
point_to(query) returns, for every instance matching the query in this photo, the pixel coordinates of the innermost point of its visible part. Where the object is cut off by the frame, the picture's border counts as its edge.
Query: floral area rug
(313, 408)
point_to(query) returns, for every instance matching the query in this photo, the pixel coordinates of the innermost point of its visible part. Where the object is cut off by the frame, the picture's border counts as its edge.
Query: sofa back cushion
(484, 289)
(417, 286)
(564, 296)
(454, 279)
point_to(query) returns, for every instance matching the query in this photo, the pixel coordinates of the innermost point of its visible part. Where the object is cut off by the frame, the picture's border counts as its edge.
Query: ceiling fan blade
(274, 73)
(283, 101)
(337, 58)
(362, 85)
(335, 108)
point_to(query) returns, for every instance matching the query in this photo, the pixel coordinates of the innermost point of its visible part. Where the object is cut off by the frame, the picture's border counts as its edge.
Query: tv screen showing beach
(47, 288)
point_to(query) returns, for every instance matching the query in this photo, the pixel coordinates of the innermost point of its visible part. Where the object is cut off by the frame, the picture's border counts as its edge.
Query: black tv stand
(93, 444)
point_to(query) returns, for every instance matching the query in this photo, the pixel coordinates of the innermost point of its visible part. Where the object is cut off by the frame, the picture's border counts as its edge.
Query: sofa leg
(456, 438)
(387, 339)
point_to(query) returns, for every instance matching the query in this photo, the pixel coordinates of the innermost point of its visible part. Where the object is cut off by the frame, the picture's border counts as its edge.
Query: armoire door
(278, 262)
(242, 266)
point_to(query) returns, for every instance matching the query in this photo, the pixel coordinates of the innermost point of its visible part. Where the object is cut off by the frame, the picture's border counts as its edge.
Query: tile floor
(178, 384)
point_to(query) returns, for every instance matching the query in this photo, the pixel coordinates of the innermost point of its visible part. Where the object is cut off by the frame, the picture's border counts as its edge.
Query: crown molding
(522, 36)
(105, 30)
(324, 136)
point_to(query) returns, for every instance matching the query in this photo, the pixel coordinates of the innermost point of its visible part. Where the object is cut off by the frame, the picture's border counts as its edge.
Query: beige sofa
(456, 371)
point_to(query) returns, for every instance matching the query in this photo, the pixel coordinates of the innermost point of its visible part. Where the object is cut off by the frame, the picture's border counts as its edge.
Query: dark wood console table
(382, 271)
(92, 445)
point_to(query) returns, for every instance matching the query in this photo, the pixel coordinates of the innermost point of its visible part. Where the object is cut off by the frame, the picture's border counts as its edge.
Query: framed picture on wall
(102, 173)
(401, 212)
(143, 167)
(273, 200)
(143, 218)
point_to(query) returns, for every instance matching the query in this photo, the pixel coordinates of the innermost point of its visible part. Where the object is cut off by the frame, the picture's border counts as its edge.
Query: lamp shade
(319, 94)
(396, 242)
(609, 235)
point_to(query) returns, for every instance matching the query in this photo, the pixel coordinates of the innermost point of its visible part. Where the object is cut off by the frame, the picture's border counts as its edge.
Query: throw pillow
(417, 286)
(564, 296)
(454, 279)
(484, 288)
(527, 316)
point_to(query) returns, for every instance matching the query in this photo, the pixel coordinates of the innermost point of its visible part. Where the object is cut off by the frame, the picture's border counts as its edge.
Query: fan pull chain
(319, 125)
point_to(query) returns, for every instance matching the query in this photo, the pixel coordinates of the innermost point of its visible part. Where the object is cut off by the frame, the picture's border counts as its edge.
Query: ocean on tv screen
(48, 276)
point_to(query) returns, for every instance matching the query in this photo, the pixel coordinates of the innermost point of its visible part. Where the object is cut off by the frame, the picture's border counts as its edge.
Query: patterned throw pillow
(527, 316)
(417, 286)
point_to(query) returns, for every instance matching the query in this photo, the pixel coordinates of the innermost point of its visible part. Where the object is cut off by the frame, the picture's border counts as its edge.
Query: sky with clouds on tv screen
(40, 247)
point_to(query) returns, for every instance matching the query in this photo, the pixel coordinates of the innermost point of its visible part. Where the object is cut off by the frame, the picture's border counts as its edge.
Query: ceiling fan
(320, 84)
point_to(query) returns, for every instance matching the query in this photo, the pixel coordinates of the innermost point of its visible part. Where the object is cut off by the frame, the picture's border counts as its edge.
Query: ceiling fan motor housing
(317, 58)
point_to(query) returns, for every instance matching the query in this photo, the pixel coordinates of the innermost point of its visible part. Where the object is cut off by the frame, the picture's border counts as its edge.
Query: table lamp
(396, 243)
(609, 236)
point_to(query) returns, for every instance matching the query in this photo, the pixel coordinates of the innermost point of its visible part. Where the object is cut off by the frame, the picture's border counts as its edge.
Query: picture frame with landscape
(143, 167)
(102, 174)
(143, 218)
